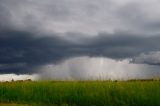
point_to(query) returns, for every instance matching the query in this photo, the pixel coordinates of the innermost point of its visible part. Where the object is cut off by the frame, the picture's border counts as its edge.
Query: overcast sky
(80, 39)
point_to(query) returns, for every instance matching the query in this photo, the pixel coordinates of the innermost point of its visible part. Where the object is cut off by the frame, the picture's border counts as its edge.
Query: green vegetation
(89, 93)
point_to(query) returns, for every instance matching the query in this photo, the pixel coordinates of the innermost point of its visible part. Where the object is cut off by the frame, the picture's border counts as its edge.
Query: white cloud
(92, 68)
(9, 77)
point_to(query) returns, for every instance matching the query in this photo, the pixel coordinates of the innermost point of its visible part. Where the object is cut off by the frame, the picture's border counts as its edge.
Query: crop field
(80, 93)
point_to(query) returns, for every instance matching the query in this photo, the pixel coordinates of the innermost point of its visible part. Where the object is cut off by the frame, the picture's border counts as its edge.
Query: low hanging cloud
(152, 58)
(21, 52)
(97, 68)
(38, 33)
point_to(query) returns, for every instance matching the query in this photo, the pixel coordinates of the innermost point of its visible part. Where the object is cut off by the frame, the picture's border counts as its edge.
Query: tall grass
(96, 93)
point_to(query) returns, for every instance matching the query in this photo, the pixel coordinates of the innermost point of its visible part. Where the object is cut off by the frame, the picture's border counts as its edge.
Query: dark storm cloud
(34, 33)
(21, 52)
(23, 48)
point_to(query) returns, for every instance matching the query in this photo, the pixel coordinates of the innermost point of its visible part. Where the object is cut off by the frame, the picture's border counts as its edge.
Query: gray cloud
(152, 58)
(35, 33)
(91, 17)
(31, 51)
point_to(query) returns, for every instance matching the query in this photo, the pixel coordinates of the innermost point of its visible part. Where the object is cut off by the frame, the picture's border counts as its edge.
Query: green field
(79, 93)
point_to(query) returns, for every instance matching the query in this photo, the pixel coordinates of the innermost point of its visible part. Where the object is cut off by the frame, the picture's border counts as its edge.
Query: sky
(79, 39)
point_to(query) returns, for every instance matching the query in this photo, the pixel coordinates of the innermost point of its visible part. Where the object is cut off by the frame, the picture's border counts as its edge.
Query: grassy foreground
(89, 93)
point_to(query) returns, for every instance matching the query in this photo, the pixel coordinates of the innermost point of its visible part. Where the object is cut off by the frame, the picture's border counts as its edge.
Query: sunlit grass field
(80, 93)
